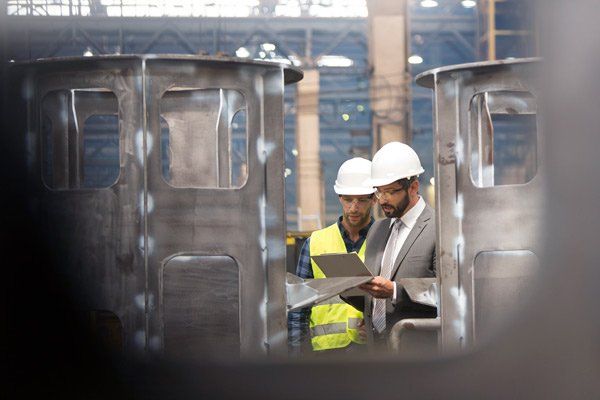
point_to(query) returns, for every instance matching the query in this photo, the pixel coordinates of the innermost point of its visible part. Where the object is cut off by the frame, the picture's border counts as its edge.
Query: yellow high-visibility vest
(333, 323)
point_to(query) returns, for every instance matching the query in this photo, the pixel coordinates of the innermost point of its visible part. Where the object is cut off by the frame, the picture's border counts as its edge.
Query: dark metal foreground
(549, 352)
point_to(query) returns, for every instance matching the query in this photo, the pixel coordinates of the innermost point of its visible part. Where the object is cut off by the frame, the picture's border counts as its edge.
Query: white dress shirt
(408, 222)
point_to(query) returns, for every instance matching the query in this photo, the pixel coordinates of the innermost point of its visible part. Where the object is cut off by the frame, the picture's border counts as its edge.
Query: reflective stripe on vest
(328, 329)
(333, 323)
(354, 322)
(339, 327)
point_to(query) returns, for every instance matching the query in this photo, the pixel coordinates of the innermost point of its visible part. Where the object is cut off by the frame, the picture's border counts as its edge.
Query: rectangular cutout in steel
(503, 138)
(80, 139)
(201, 307)
(207, 143)
(502, 283)
(239, 149)
(165, 155)
(105, 328)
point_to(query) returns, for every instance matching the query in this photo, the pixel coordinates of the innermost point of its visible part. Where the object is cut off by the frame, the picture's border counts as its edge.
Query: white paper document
(343, 271)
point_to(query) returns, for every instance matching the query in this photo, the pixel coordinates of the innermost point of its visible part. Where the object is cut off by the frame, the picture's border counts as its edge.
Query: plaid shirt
(298, 321)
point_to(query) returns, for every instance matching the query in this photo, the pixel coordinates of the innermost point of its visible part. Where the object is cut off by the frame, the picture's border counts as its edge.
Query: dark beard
(397, 212)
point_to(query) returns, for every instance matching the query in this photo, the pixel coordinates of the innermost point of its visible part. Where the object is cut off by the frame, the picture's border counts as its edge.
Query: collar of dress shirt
(410, 218)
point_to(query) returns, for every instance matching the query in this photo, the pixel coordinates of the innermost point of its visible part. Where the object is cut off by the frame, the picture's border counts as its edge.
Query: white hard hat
(392, 162)
(352, 177)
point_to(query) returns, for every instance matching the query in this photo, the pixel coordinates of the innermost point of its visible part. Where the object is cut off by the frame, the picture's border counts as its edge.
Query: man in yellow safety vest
(334, 324)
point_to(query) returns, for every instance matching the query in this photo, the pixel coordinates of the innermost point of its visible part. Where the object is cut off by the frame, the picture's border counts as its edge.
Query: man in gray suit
(401, 245)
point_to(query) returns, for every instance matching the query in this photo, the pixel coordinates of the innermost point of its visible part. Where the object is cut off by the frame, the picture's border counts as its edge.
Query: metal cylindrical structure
(489, 176)
(159, 183)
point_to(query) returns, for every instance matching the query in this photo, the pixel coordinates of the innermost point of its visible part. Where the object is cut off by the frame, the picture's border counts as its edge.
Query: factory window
(164, 144)
(80, 139)
(207, 141)
(503, 138)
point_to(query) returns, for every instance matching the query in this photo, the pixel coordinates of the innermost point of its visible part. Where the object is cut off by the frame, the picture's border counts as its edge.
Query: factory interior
(300, 199)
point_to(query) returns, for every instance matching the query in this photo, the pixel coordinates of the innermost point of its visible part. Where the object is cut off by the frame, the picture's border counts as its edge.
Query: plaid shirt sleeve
(304, 268)
(298, 332)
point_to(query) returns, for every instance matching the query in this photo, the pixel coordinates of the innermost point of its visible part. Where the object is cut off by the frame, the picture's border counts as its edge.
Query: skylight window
(190, 8)
(334, 61)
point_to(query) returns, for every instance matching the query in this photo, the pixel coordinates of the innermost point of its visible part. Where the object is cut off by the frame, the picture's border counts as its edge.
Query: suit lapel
(382, 237)
(411, 238)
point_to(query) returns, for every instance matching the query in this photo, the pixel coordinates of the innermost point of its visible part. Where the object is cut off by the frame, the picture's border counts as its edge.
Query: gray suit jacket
(415, 260)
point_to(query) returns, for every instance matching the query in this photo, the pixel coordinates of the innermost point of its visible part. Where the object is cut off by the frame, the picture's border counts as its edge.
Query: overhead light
(88, 53)
(415, 59)
(242, 52)
(268, 46)
(287, 172)
(429, 3)
(345, 117)
(468, 3)
(334, 61)
(295, 152)
(11, 61)
(262, 54)
(432, 181)
(360, 108)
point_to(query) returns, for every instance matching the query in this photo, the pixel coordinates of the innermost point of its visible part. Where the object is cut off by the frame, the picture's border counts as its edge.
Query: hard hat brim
(353, 191)
(376, 182)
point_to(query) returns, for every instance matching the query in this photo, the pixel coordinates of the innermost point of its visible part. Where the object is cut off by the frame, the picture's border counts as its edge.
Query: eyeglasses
(387, 193)
(360, 201)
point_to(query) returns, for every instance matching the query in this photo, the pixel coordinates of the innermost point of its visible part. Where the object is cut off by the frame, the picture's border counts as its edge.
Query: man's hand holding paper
(379, 287)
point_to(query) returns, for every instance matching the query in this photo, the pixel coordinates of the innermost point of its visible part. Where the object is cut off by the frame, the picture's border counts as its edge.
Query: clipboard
(342, 265)
(337, 265)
